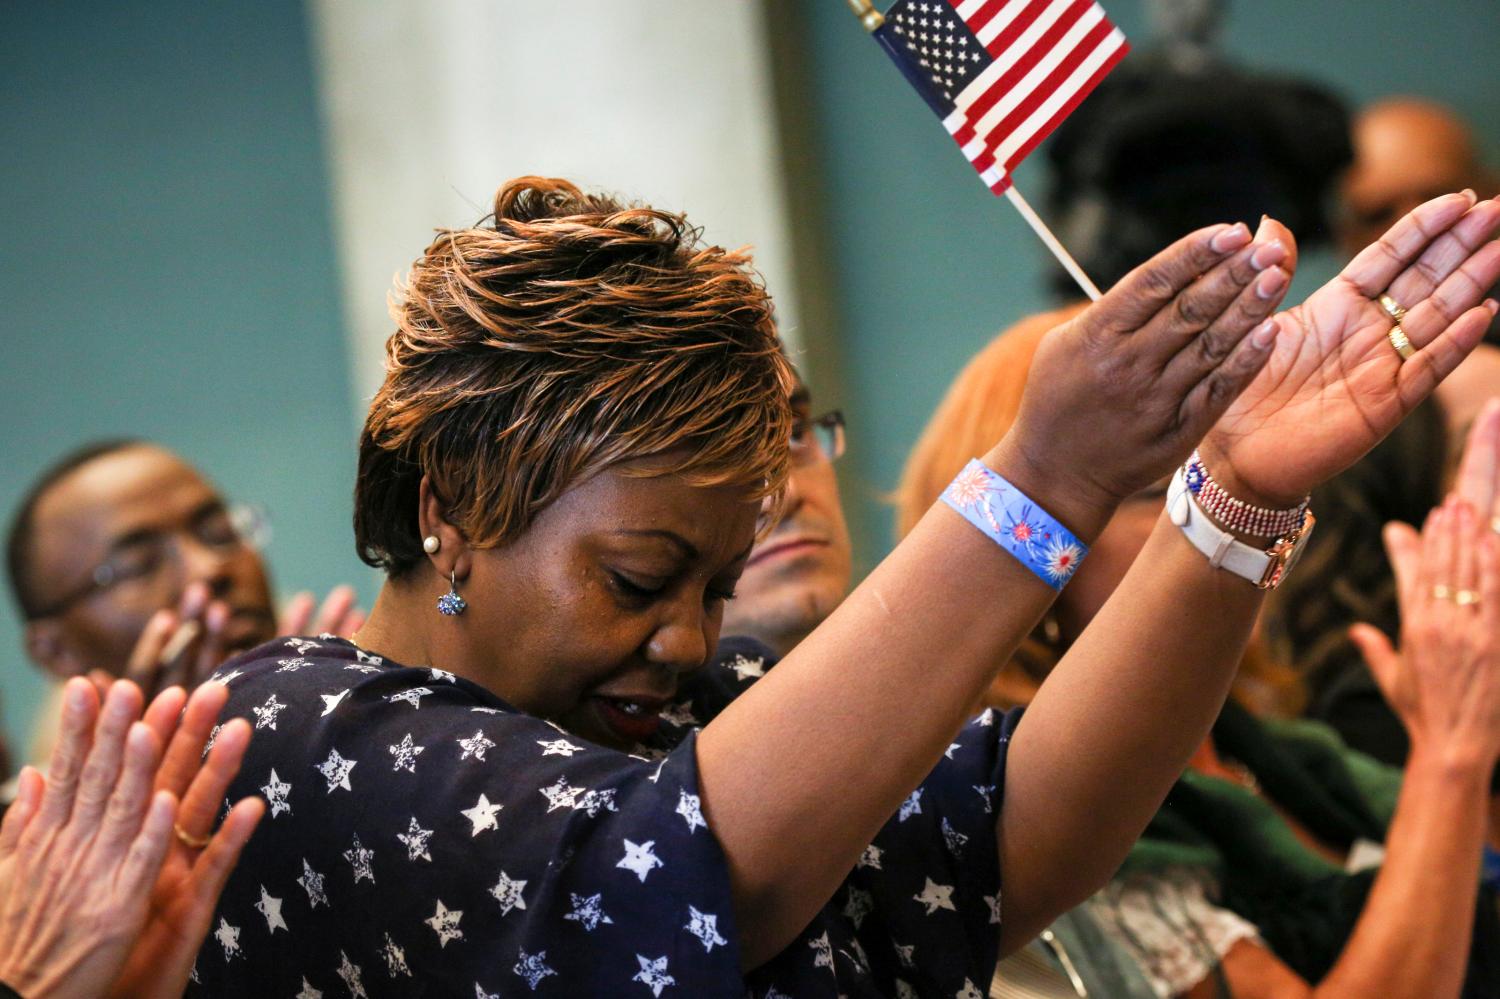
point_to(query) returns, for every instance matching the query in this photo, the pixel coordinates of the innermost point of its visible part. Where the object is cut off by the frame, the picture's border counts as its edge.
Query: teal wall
(917, 266)
(167, 266)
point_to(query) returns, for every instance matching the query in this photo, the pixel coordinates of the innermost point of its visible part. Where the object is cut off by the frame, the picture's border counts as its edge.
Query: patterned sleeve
(424, 839)
(920, 913)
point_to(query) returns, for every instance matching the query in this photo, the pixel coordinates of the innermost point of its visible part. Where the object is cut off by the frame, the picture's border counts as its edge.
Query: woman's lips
(789, 548)
(635, 724)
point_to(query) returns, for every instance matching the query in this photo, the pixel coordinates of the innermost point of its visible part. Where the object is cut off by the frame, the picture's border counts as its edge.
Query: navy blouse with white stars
(424, 838)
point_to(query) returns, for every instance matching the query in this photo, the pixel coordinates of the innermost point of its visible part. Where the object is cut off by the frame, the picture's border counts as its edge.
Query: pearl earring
(450, 604)
(431, 544)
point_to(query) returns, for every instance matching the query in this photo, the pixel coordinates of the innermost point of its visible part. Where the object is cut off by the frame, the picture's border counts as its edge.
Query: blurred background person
(123, 560)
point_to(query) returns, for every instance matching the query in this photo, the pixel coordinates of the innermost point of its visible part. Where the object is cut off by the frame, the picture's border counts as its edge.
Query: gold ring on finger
(189, 840)
(1398, 339)
(1392, 308)
(1441, 592)
(1466, 598)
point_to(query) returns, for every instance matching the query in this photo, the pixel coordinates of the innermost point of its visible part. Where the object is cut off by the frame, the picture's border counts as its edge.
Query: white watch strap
(1223, 551)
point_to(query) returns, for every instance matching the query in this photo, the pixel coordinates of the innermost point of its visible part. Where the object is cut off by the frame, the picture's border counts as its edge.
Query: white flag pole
(1058, 250)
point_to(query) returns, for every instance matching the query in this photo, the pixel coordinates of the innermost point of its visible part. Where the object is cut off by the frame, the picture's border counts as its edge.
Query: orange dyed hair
(564, 334)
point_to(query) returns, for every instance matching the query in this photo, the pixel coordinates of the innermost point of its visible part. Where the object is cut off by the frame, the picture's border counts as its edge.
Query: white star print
(482, 816)
(308, 992)
(688, 807)
(871, 857)
(312, 883)
(954, 839)
(993, 901)
(558, 747)
(640, 860)
(366, 657)
(986, 717)
(436, 675)
(335, 770)
(291, 665)
(213, 736)
(271, 909)
(349, 972)
(475, 746)
(653, 974)
(224, 678)
(363, 668)
(301, 645)
(331, 701)
(532, 967)
(276, 791)
(824, 956)
(412, 696)
(680, 715)
(395, 958)
(905, 991)
(406, 755)
(588, 911)
(444, 923)
(416, 839)
(745, 668)
(480, 993)
(968, 991)
(984, 792)
(951, 747)
(229, 938)
(560, 795)
(507, 892)
(359, 858)
(704, 926)
(486, 711)
(860, 905)
(935, 897)
(911, 806)
(904, 955)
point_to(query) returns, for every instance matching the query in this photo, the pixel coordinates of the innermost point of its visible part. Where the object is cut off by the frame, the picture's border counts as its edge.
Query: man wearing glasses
(800, 571)
(124, 561)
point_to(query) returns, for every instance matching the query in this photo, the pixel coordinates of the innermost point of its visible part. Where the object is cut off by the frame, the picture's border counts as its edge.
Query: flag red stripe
(1049, 86)
(1067, 108)
(1043, 47)
(1013, 30)
(982, 16)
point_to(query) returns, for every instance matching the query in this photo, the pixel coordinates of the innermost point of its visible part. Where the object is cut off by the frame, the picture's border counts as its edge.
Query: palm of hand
(1331, 385)
(1334, 385)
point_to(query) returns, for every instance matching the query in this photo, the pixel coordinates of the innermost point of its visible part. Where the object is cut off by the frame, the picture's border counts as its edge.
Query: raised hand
(1334, 385)
(338, 615)
(180, 646)
(191, 876)
(1122, 392)
(80, 851)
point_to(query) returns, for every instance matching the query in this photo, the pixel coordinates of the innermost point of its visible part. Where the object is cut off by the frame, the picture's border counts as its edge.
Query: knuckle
(1190, 309)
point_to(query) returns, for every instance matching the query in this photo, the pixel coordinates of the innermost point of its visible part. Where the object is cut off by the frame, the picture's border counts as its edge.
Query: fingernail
(1232, 238)
(78, 694)
(1264, 335)
(1492, 305)
(1266, 254)
(1270, 284)
(1468, 192)
(193, 599)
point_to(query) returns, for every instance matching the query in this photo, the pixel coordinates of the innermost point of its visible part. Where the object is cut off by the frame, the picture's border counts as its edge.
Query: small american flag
(1001, 74)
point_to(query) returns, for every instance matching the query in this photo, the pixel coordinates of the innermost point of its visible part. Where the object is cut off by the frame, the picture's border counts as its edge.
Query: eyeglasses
(820, 439)
(222, 530)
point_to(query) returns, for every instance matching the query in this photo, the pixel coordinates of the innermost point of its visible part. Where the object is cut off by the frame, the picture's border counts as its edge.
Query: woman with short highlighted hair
(501, 786)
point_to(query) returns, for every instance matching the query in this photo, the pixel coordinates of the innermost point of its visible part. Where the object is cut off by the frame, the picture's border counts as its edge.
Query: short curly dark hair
(566, 333)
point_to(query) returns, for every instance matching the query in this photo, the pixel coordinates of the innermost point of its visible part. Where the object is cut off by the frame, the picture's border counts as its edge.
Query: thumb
(1403, 546)
(1382, 658)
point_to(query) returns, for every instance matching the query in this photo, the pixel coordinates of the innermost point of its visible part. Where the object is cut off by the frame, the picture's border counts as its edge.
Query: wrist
(1464, 763)
(1070, 498)
(1229, 477)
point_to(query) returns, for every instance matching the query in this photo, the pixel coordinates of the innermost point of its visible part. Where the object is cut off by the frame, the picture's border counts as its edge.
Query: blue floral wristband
(1015, 523)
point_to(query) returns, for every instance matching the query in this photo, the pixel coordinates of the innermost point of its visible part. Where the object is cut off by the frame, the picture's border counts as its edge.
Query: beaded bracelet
(1017, 524)
(1234, 514)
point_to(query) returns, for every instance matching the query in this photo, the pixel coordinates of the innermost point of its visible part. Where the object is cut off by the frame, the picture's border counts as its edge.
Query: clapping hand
(1335, 385)
(85, 854)
(338, 615)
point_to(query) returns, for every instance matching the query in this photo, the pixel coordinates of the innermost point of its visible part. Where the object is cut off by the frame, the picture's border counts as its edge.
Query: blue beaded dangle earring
(450, 603)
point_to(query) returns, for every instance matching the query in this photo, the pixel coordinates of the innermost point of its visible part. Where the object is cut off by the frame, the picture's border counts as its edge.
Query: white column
(430, 105)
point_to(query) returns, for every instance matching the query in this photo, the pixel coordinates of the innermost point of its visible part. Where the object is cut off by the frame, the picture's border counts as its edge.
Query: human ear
(48, 648)
(452, 553)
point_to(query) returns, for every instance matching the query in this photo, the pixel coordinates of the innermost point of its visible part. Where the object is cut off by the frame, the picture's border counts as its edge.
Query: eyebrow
(205, 509)
(687, 548)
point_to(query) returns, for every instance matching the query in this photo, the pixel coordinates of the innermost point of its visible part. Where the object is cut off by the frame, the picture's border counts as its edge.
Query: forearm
(801, 771)
(1412, 940)
(1113, 726)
